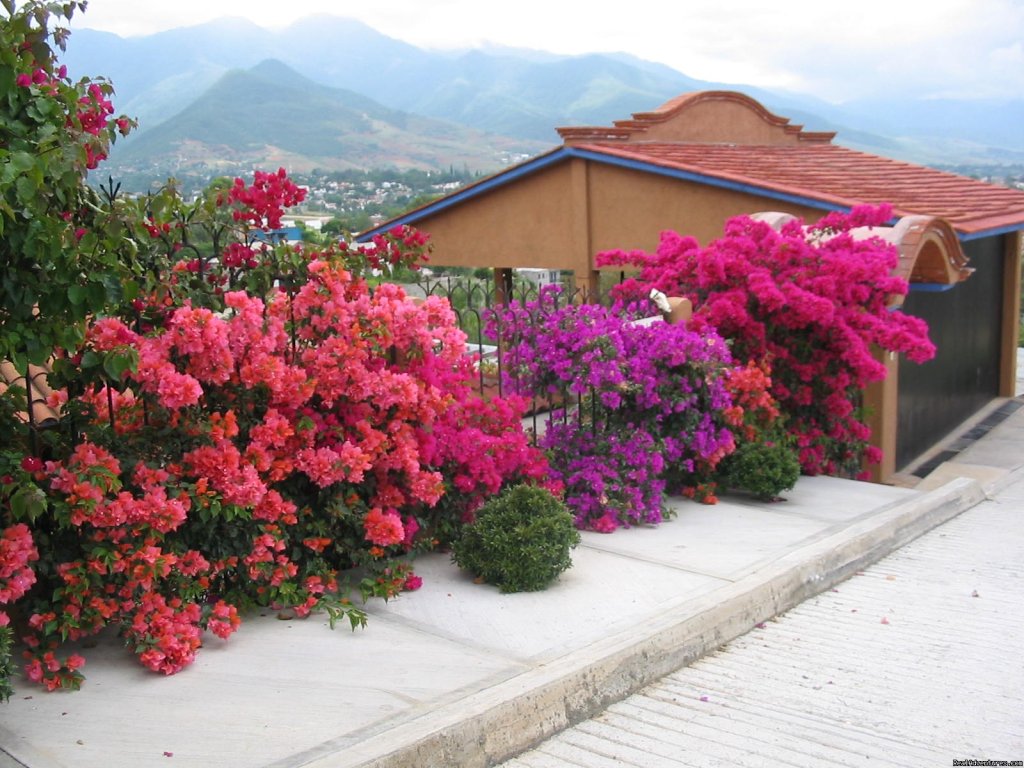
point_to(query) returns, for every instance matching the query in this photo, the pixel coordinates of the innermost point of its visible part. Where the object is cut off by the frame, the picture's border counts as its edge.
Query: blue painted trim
(276, 235)
(706, 179)
(1008, 229)
(499, 179)
(931, 287)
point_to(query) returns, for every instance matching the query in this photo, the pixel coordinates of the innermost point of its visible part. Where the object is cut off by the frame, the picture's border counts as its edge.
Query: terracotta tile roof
(837, 175)
(42, 415)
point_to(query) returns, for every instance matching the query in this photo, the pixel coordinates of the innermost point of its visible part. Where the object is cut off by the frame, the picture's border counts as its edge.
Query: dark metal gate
(965, 324)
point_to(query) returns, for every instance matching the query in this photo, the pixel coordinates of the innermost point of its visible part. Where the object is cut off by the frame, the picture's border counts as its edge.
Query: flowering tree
(811, 303)
(62, 259)
(56, 270)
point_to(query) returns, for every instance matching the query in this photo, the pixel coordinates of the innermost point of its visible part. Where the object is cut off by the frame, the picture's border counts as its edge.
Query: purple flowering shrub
(642, 403)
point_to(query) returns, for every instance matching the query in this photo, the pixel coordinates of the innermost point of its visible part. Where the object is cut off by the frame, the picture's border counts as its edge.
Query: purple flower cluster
(612, 478)
(650, 402)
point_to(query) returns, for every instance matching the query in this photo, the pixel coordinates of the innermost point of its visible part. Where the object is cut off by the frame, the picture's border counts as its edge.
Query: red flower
(412, 583)
(383, 528)
(32, 464)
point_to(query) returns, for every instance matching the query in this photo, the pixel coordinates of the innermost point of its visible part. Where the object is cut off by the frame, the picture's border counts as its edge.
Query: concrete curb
(1003, 482)
(497, 723)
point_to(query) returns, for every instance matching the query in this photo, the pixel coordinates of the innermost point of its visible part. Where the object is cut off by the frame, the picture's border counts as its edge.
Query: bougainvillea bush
(244, 422)
(765, 461)
(652, 403)
(813, 303)
(253, 457)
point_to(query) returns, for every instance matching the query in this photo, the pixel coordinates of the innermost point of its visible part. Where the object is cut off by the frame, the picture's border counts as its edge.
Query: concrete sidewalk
(457, 674)
(914, 661)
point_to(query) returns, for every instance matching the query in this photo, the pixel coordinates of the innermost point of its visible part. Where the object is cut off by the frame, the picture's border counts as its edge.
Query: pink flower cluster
(384, 528)
(17, 551)
(165, 633)
(262, 203)
(810, 303)
(92, 115)
(256, 454)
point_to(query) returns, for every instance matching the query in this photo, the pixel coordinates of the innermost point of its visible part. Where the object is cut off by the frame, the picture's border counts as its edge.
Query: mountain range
(333, 93)
(271, 116)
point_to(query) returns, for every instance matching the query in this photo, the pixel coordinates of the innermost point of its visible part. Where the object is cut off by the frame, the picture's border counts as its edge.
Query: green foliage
(65, 253)
(520, 541)
(6, 643)
(765, 469)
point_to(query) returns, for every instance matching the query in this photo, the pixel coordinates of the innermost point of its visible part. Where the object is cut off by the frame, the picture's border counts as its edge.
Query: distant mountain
(519, 97)
(159, 75)
(507, 92)
(272, 116)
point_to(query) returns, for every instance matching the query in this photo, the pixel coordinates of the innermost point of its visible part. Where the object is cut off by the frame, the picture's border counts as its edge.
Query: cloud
(837, 51)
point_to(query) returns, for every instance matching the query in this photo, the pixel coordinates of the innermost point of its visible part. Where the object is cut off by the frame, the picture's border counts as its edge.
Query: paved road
(917, 661)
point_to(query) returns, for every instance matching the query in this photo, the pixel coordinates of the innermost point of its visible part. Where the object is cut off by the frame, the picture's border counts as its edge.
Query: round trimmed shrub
(520, 540)
(763, 469)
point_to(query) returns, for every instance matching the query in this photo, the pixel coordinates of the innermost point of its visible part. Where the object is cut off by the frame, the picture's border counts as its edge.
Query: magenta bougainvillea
(646, 404)
(813, 303)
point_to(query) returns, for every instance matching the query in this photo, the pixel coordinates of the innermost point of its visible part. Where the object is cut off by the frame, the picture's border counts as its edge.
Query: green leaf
(28, 503)
(97, 294)
(26, 188)
(116, 363)
(21, 161)
(76, 294)
(129, 289)
(90, 359)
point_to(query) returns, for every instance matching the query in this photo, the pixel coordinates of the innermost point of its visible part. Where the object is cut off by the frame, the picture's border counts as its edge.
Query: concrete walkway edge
(495, 724)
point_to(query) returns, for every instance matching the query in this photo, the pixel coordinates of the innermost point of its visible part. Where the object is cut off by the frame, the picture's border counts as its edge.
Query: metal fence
(471, 299)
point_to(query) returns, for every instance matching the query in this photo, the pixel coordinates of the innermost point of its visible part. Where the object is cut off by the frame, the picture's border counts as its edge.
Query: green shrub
(764, 469)
(520, 540)
(6, 666)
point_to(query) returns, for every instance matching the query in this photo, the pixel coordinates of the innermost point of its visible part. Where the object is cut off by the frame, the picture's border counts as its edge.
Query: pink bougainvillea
(256, 455)
(17, 552)
(813, 303)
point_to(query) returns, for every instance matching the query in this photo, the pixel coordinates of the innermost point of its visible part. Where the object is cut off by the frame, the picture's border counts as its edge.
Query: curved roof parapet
(929, 250)
(702, 117)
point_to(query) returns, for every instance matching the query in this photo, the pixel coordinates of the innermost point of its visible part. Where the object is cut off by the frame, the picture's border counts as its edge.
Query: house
(283, 234)
(705, 157)
(540, 277)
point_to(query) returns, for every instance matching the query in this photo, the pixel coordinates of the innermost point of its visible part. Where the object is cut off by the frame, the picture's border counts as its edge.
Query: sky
(834, 50)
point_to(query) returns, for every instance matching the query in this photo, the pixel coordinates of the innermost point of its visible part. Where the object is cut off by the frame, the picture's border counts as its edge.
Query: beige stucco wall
(721, 120)
(631, 208)
(561, 216)
(522, 224)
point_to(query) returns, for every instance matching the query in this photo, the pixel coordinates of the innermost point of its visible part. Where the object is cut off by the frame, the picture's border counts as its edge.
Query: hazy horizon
(837, 52)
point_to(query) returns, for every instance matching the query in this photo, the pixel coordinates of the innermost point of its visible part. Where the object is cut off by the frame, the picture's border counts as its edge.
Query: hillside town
(358, 200)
